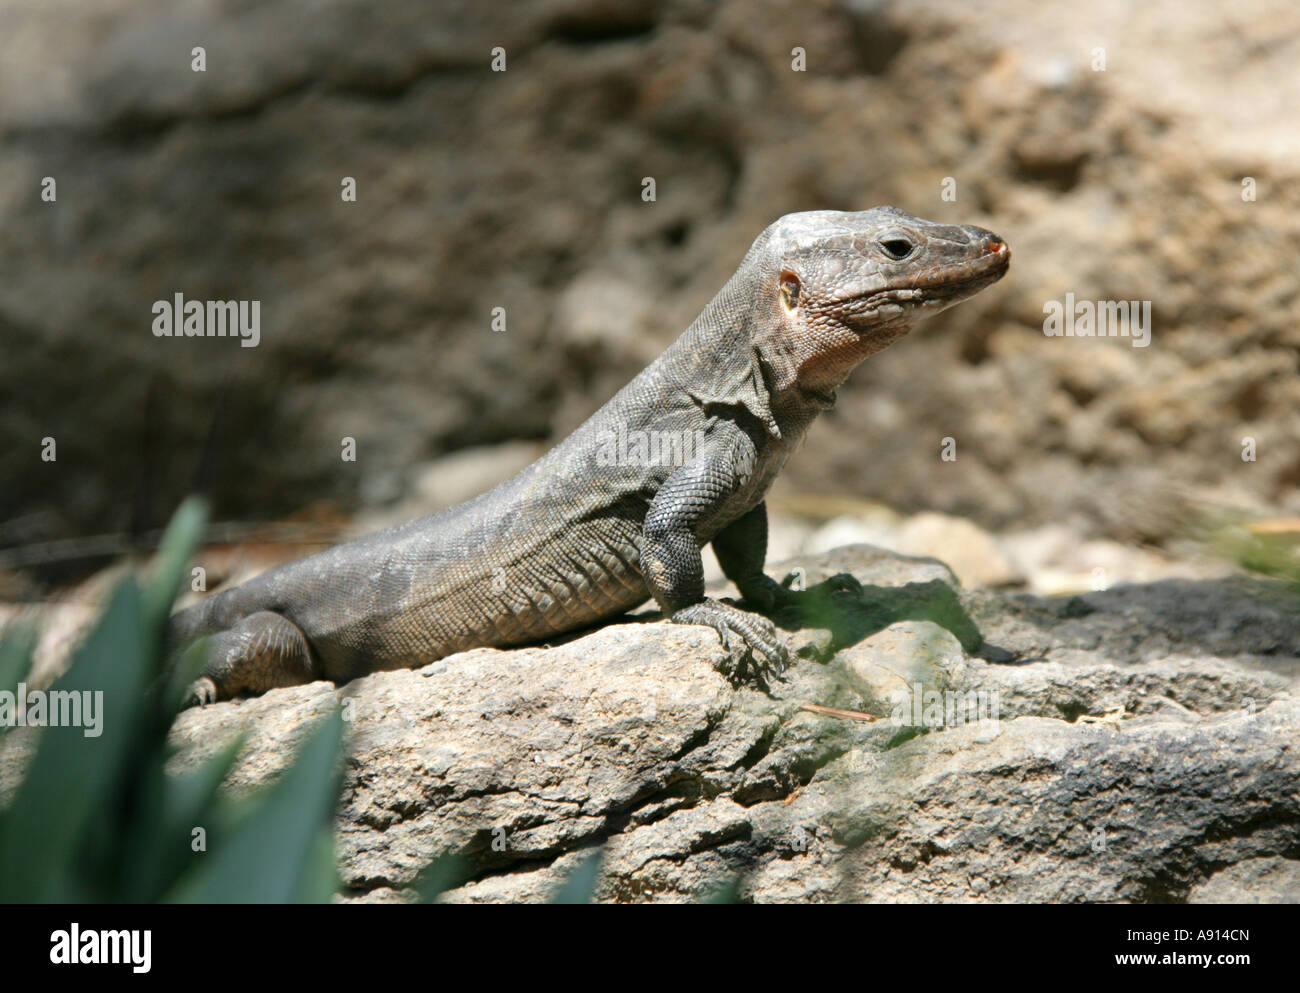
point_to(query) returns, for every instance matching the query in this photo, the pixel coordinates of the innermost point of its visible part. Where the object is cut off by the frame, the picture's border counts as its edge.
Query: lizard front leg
(674, 571)
(741, 548)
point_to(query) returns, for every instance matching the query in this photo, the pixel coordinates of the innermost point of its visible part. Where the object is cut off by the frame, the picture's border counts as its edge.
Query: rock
(887, 666)
(1048, 812)
(847, 530)
(1262, 880)
(1057, 563)
(545, 746)
(884, 567)
(626, 738)
(971, 552)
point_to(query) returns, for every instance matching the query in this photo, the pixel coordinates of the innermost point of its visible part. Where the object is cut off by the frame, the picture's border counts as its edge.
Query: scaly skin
(597, 525)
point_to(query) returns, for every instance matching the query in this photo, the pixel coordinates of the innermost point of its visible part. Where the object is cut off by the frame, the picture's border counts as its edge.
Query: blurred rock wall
(522, 189)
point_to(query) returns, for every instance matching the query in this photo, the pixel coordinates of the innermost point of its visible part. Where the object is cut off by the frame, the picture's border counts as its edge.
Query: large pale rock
(1135, 753)
(1263, 880)
(972, 552)
(889, 666)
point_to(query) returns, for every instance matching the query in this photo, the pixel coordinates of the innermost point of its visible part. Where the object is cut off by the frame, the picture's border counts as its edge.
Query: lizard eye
(896, 248)
(790, 290)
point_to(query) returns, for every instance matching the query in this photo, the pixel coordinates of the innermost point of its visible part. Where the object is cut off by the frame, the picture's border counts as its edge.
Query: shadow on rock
(851, 611)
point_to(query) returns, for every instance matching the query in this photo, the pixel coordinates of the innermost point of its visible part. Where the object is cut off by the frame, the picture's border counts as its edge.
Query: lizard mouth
(952, 281)
(947, 282)
(938, 286)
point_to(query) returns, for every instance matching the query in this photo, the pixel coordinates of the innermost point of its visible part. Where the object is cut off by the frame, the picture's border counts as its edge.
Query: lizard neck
(715, 362)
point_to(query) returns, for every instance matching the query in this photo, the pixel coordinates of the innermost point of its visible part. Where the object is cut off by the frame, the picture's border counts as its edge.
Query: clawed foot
(201, 692)
(750, 639)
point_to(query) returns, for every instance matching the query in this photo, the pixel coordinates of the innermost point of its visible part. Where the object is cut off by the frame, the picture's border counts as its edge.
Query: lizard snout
(988, 241)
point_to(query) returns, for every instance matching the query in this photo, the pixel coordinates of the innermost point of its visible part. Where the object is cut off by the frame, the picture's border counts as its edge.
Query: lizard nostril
(897, 248)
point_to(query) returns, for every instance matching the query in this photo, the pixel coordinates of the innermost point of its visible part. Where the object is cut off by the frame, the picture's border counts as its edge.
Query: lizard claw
(201, 692)
(750, 640)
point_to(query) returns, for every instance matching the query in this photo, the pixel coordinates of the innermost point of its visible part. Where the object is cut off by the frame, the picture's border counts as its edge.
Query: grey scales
(619, 511)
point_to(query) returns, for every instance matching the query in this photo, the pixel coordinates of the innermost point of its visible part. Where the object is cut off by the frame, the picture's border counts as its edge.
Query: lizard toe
(749, 640)
(201, 692)
(844, 582)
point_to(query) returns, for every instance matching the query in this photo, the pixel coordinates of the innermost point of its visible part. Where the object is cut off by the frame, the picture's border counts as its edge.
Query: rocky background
(521, 189)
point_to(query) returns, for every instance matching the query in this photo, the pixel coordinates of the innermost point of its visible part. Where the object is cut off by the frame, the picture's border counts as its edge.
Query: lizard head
(837, 286)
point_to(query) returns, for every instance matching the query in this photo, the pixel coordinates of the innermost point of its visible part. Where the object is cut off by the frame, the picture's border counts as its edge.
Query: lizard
(596, 526)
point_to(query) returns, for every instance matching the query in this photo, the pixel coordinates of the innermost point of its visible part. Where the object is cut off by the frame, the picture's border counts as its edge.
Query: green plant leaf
(174, 553)
(580, 887)
(158, 848)
(444, 873)
(99, 819)
(728, 892)
(273, 855)
(17, 645)
(74, 779)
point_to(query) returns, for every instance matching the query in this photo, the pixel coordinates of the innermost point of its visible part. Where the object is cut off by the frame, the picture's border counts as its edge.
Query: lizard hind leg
(259, 652)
